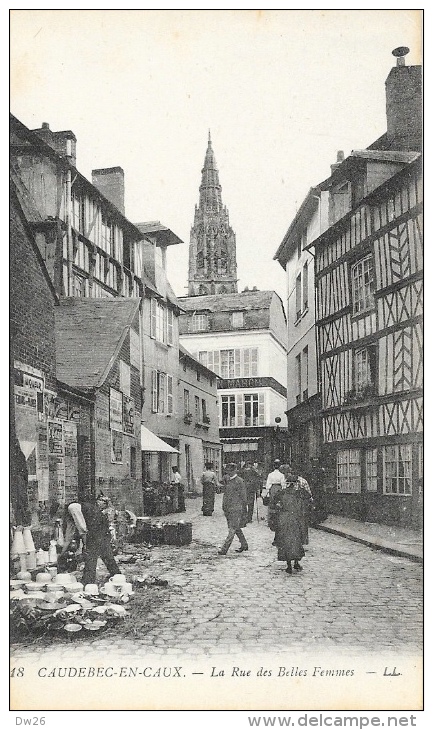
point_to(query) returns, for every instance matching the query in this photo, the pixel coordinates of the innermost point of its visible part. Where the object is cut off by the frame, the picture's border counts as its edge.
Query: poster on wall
(116, 447)
(128, 415)
(42, 470)
(116, 415)
(55, 438)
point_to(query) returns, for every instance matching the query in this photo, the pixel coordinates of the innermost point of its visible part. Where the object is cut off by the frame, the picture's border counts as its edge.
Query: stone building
(198, 421)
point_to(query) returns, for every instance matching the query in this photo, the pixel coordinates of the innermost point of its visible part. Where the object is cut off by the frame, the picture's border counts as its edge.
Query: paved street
(347, 596)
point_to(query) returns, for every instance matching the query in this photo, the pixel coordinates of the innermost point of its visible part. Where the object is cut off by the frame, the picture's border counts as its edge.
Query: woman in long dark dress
(288, 525)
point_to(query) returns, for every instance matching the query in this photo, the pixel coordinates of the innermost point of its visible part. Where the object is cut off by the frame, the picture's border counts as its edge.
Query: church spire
(210, 188)
(212, 249)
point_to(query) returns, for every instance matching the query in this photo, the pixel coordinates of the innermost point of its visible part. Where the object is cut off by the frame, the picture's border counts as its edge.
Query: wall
(115, 476)
(272, 356)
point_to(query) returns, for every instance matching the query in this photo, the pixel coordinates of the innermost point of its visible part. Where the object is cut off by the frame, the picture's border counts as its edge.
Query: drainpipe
(68, 221)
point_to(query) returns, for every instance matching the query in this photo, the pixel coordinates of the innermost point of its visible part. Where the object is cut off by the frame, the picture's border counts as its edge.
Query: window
(298, 372)
(397, 469)
(169, 394)
(371, 469)
(203, 410)
(364, 363)
(198, 322)
(158, 391)
(158, 321)
(170, 320)
(305, 373)
(349, 471)
(237, 319)
(133, 463)
(197, 408)
(251, 409)
(363, 285)
(243, 409)
(305, 285)
(298, 296)
(232, 363)
(228, 410)
(186, 410)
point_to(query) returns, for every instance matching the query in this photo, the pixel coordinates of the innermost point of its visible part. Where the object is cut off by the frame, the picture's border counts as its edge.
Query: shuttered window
(169, 394)
(349, 471)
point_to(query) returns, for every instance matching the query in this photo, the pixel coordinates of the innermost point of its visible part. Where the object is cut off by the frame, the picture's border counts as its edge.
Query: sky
(280, 90)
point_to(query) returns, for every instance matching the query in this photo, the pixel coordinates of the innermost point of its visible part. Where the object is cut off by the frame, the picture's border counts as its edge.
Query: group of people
(287, 495)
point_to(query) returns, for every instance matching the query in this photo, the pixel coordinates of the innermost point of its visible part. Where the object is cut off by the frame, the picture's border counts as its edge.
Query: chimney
(110, 181)
(404, 104)
(340, 158)
(65, 143)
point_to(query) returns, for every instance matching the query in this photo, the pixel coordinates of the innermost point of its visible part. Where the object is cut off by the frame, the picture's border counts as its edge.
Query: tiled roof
(89, 334)
(241, 301)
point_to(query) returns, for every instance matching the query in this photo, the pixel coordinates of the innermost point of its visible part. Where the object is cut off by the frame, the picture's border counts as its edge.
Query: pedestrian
(252, 481)
(234, 508)
(177, 481)
(305, 498)
(88, 520)
(209, 483)
(274, 481)
(286, 504)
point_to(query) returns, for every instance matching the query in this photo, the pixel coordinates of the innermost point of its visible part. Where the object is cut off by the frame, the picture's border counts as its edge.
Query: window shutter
(154, 391)
(237, 368)
(246, 362)
(170, 326)
(153, 317)
(261, 409)
(239, 409)
(216, 362)
(169, 394)
(254, 361)
(161, 393)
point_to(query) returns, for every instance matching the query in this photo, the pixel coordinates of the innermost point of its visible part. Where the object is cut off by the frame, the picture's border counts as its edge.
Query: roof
(246, 300)
(89, 334)
(33, 140)
(164, 236)
(369, 155)
(309, 204)
(183, 353)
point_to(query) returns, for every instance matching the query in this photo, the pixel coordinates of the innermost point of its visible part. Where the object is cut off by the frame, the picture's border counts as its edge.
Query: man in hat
(234, 508)
(89, 520)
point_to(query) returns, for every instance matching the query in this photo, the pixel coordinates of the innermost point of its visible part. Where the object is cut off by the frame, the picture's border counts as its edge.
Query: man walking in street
(252, 481)
(234, 508)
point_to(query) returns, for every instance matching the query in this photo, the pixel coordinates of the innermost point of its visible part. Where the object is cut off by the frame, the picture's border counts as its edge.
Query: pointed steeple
(212, 250)
(210, 188)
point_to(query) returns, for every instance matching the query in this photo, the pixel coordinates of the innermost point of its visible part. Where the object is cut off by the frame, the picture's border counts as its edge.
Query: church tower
(212, 248)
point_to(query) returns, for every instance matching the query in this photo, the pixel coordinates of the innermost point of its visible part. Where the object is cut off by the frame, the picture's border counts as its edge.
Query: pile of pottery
(23, 550)
(57, 601)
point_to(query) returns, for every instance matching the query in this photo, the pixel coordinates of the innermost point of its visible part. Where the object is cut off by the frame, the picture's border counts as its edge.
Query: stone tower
(212, 248)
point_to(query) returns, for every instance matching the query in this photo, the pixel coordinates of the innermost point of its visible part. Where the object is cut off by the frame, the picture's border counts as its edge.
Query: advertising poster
(283, 150)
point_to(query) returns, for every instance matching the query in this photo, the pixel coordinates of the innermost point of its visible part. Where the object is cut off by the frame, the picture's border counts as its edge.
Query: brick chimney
(110, 181)
(65, 143)
(404, 104)
(340, 158)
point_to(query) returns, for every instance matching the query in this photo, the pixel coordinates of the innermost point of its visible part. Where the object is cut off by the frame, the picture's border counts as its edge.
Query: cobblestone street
(347, 596)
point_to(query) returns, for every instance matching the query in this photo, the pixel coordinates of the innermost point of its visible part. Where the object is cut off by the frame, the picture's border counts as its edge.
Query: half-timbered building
(368, 272)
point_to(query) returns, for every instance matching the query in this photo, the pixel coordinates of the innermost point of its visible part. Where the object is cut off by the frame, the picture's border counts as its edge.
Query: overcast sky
(281, 91)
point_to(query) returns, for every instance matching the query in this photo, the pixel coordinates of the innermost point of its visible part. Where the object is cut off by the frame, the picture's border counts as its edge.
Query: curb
(374, 544)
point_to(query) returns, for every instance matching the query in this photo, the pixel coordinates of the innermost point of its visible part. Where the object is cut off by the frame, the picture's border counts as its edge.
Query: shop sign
(128, 415)
(116, 447)
(116, 410)
(25, 398)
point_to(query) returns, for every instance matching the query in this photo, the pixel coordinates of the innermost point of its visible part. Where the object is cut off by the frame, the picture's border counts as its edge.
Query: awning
(150, 442)
(240, 438)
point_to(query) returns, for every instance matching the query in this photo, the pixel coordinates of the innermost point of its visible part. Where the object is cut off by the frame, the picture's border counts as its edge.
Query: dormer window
(237, 319)
(198, 323)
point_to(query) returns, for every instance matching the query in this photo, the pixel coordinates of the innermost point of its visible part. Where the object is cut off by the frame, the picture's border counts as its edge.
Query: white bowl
(54, 587)
(118, 579)
(91, 589)
(63, 578)
(43, 578)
